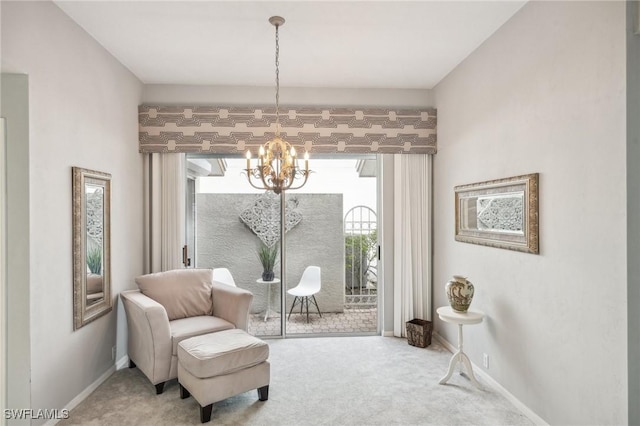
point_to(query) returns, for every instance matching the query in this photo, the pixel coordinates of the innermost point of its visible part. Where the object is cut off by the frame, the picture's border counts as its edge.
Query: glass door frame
(192, 209)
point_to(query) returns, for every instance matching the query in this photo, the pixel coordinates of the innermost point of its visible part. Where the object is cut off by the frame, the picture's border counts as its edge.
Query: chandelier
(277, 160)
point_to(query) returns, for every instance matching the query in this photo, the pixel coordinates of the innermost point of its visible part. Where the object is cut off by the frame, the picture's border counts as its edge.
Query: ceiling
(345, 44)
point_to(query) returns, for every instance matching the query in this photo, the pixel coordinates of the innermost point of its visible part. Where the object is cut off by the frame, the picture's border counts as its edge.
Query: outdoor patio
(349, 321)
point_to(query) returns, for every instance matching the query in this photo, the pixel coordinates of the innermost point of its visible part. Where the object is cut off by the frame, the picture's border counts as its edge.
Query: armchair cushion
(183, 292)
(185, 328)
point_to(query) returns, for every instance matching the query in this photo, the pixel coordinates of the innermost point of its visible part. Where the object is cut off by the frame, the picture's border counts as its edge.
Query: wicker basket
(419, 332)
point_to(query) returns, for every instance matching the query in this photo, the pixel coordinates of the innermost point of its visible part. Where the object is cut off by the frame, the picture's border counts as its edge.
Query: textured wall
(223, 240)
(552, 101)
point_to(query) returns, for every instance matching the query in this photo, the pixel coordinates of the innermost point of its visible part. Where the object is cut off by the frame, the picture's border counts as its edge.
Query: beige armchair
(175, 305)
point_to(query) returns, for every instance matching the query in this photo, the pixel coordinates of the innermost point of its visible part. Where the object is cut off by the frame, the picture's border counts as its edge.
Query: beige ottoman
(215, 366)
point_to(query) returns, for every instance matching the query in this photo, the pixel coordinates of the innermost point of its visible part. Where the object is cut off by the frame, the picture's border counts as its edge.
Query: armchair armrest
(232, 304)
(149, 340)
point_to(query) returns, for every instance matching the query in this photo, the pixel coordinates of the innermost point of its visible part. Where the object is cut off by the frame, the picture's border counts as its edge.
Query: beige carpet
(317, 381)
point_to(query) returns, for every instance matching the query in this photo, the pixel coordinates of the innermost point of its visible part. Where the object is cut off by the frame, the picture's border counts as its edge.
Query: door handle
(185, 260)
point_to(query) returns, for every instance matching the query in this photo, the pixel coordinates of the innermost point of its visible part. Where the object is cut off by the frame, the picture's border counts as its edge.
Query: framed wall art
(499, 213)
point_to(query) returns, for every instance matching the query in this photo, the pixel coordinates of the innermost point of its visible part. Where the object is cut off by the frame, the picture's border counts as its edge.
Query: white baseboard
(444, 343)
(387, 334)
(122, 363)
(93, 386)
(496, 386)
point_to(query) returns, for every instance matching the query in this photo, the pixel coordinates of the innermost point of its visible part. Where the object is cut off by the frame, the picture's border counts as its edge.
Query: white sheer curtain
(165, 182)
(412, 236)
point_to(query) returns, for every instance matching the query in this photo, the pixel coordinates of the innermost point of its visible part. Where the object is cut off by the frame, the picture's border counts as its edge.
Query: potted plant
(94, 277)
(94, 261)
(268, 257)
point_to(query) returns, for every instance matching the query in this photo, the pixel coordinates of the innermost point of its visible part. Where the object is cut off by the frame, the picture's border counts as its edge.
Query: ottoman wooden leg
(205, 413)
(184, 393)
(263, 393)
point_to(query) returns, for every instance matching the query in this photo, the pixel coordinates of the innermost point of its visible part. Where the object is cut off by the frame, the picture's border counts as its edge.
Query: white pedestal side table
(269, 311)
(447, 314)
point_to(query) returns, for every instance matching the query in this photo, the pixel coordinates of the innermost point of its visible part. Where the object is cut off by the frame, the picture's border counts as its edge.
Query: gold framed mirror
(91, 245)
(499, 213)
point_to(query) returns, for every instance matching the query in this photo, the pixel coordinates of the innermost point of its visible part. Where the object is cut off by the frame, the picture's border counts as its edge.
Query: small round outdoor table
(269, 310)
(447, 314)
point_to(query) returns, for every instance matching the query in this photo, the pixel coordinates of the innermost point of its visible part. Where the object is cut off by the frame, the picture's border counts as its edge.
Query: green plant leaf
(268, 257)
(94, 261)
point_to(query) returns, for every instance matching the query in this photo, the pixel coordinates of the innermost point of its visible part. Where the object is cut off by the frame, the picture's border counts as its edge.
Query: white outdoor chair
(305, 291)
(223, 275)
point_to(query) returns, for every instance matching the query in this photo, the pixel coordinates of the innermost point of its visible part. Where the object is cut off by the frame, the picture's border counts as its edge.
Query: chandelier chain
(277, 81)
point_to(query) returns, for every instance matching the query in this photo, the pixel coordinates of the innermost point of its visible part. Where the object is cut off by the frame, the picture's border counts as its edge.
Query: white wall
(15, 108)
(293, 96)
(546, 93)
(633, 207)
(82, 112)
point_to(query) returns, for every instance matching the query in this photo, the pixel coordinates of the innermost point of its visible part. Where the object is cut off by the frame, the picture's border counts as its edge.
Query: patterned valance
(233, 130)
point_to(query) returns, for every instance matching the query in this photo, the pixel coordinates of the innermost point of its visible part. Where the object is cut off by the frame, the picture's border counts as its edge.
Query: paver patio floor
(349, 321)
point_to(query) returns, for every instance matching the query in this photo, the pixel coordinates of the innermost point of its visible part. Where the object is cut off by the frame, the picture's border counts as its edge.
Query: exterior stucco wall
(224, 241)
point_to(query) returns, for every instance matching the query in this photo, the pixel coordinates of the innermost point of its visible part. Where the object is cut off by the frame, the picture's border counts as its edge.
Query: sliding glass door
(231, 223)
(330, 282)
(323, 247)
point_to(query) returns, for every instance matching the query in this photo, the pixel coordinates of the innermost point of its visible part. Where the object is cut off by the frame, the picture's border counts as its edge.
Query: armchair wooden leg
(160, 388)
(184, 393)
(132, 364)
(263, 393)
(205, 413)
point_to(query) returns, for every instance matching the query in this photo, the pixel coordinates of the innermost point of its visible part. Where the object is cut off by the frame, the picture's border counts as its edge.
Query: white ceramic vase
(460, 293)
